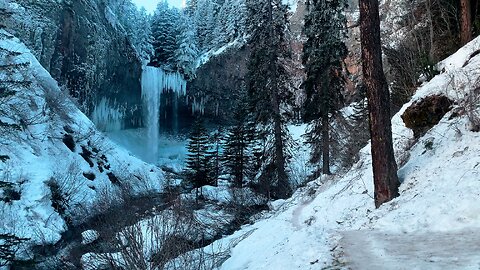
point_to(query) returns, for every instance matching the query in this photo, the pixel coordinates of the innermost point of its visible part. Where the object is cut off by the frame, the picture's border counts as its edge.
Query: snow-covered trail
(426, 250)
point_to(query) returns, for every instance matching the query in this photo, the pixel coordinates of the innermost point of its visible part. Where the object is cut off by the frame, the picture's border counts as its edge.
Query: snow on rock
(89, 237)
(439, 195)
(56, 147)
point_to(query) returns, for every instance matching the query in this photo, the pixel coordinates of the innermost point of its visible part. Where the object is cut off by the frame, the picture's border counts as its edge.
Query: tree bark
(465, 22)
(383, 160)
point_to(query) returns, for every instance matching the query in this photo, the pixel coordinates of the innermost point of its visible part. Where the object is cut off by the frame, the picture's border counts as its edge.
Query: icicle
(107, 116)
(156, 81)
(198, 105)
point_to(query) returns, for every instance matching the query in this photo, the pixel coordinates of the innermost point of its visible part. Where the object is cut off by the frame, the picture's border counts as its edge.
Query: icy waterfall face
(108, 116)
(156, 81)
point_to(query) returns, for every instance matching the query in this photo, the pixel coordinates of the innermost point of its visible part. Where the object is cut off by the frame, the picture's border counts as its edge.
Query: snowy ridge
(439, 194)
(37, 155)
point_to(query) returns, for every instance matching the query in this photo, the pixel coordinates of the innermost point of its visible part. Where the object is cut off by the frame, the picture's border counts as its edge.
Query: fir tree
(198, 167)
(324, 52)
(230, 23)
(165, 27)
(237, 154)
(186, 53)
(9, 86)
(190, 7)
(268, 90)
(384, 166)
(205, 21)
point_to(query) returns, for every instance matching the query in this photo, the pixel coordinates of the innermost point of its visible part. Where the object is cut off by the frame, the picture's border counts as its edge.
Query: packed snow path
(426, 250)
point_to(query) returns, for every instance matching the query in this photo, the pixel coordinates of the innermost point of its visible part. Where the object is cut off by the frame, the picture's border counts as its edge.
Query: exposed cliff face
(84, 48)
(219, 84)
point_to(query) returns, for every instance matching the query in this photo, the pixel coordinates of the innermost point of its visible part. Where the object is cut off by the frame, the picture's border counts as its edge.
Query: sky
(150, 5)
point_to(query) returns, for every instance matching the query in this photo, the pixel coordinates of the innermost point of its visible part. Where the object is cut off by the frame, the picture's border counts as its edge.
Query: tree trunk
(465, 22)
(283, 187)
(383, 160)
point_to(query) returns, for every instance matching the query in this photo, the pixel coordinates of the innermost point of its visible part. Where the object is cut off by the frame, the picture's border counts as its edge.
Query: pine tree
(268, 90)
(384, 166)
(9, 86)
(190, 7)
(323, 54)
(144, 39)
(205, 21)
(230, 22)
(220, 31)
(237, 154)
(186, 53)
(198, 167)
(165, 27)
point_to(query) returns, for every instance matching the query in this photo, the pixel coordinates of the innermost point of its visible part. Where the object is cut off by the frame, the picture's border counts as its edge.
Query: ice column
(155, 81)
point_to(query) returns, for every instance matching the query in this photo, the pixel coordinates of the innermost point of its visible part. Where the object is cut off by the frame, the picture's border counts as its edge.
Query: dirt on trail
(423, 250)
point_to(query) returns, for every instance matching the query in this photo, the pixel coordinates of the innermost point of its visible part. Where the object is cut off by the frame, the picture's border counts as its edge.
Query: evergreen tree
(205, 21)
(268, 90)
(144, 39)
(190, 7)
(230, 23)
(186, 53)
(136, 24)
(220, 34)
(9, 87)
(237, 155)
(324, 52)
(198, 167)
(384, 166)
(165, 27)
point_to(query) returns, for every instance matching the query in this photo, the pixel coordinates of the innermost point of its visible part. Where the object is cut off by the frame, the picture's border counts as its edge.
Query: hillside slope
(56, 168)
(439, 196)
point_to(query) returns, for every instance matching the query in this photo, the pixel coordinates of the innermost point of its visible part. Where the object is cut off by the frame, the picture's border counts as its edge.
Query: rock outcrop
(84, 48)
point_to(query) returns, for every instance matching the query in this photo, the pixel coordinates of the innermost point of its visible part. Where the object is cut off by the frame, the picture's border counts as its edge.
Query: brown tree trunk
(465, 22)
(383, 160)
(283, 187)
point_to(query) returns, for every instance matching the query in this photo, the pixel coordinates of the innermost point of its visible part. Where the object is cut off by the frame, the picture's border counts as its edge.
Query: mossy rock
(422, 115)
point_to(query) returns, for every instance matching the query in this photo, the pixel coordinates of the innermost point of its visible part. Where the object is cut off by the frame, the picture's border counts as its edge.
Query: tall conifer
(270, 96)
(323, 55)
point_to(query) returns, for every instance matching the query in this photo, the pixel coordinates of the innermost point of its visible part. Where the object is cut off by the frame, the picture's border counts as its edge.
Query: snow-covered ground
(438, 203)
(37, 156)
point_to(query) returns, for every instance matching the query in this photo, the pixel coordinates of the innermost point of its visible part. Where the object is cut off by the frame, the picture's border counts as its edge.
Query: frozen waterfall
(107, 116)
(156, 81)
